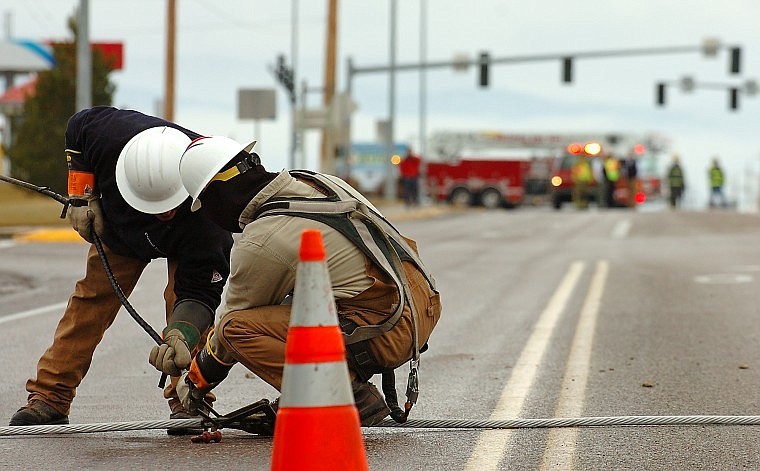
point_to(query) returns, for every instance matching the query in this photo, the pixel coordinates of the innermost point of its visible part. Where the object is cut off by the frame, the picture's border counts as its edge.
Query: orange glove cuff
(81, 183)
(196, 376)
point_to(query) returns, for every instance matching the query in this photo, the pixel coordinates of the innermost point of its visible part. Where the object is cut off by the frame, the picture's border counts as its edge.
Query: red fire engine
(462, 172)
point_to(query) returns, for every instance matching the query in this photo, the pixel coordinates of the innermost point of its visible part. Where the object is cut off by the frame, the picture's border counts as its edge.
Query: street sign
(257, 103)
(317, 118)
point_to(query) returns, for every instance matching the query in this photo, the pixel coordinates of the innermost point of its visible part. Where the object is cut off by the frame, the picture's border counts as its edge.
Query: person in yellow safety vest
(611, 176)
(717, 179)
(582, 180)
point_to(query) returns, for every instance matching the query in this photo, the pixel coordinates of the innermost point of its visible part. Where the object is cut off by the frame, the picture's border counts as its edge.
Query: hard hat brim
(197, 198)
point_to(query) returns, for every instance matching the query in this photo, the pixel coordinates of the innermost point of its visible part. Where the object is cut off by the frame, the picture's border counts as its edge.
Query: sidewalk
(396, 211)
(392, 210)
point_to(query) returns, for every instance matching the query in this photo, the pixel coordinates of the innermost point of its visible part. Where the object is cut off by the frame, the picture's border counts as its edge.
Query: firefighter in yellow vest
(583, 178)
(717, 180)
(611, 177)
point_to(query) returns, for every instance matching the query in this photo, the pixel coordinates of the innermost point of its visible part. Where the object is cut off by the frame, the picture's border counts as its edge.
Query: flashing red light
(640, 197)
(639, 149)
(574, 148)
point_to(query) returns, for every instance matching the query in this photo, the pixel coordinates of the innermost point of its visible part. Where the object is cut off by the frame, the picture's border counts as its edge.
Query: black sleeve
(202, 252)
(76, 158)
(95, 138)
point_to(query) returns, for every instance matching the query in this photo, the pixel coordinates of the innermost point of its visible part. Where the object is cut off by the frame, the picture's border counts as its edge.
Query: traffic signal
(284, 75)
(485, 62)
(733, 98)
(567, 70)
(660, 88)
(735, 60)
(574, 148)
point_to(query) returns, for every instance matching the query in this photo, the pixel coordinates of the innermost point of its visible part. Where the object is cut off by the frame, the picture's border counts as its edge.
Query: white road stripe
(32, 312)
(4, 244)
(491, 444)
(620, 231)
(560, 444)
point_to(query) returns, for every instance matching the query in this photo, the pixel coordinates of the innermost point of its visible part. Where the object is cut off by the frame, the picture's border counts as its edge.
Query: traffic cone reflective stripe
(317, 426)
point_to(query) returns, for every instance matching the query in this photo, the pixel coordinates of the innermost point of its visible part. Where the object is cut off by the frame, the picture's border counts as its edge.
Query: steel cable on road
(562, 422)
(101, 427)
(577, 422)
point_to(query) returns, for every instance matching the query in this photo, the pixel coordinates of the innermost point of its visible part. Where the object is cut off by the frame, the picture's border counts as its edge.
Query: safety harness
(347, 211)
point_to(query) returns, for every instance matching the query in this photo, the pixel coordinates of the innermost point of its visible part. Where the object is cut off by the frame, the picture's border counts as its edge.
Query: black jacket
(200, 248)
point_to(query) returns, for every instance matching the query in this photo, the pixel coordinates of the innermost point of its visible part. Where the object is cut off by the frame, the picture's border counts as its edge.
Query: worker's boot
(370, 403)
(37, 412)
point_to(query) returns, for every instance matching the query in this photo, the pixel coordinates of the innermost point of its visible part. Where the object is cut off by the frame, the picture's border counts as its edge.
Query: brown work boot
(37, 412)
(370, 403)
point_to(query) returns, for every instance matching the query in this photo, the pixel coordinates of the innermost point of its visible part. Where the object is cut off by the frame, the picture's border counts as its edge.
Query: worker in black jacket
(137, 220)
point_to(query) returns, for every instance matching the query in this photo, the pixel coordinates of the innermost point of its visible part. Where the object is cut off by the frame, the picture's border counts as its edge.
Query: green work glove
(181, 336)
(172, 356)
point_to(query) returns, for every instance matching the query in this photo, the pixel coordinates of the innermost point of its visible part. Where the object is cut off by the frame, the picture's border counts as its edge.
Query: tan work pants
(91, 310)
(256, 337)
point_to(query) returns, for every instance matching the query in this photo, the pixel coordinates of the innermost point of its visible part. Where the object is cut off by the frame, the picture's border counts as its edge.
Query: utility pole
(294, 99)
(170, 42)
(84, 58)
(328, 145)
(423, 78)
(390, 177)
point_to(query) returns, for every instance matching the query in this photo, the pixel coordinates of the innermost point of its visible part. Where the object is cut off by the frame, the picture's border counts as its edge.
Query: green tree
(36, 152)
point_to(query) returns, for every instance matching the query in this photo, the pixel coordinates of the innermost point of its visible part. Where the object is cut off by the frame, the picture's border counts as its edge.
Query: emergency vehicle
(490, 168)
(496, 169)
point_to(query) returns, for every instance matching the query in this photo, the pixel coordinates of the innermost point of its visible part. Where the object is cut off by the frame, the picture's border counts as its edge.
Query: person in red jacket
(409, 169)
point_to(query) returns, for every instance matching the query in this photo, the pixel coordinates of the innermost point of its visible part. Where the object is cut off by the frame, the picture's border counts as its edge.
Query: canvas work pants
(256, 337)
(90, 311)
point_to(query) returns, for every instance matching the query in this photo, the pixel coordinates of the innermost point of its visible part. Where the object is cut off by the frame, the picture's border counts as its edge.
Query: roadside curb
(40, 234)
(401, 213)
(49, 235)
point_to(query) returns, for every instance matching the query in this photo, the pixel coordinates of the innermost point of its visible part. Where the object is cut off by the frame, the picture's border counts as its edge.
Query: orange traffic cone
(317, 426)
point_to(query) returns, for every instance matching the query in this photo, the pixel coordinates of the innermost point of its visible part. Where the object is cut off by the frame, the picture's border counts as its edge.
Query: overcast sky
(226, 45)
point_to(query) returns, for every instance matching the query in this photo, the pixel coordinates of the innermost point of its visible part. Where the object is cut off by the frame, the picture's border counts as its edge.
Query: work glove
(83, 218)
(181, 336)
(189, 394)
(173, 355)
(206, 372)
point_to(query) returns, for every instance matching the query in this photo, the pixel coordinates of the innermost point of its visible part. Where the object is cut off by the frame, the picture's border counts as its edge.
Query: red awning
(12, 101)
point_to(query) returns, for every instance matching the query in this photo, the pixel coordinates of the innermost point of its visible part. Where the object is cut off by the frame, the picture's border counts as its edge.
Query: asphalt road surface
(546, 314)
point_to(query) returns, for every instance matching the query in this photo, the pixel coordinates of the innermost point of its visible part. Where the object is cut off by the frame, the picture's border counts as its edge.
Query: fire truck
(495, 169)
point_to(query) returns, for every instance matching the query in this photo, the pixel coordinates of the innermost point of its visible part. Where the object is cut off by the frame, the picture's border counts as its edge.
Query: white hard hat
(202, 161)
(147, 172)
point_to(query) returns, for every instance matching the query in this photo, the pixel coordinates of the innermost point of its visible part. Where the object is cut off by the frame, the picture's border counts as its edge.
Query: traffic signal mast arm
(565, 58)
(687, 85)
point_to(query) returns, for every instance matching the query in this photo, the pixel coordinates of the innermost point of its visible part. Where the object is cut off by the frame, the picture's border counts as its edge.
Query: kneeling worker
(386, 300)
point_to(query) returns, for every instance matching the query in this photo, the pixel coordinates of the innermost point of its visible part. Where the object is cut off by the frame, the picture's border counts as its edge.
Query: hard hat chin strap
(249, 162)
